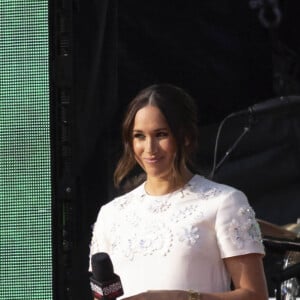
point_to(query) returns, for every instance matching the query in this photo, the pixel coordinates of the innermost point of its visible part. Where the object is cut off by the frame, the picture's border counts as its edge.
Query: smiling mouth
(151, 160)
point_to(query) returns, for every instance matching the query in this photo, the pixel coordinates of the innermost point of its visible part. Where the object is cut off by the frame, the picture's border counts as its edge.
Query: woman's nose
(151, 146)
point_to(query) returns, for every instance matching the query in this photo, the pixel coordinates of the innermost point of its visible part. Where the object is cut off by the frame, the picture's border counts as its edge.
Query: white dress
(176, 241)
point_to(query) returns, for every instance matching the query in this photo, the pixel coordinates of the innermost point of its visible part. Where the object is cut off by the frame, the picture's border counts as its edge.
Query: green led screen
(25, 189)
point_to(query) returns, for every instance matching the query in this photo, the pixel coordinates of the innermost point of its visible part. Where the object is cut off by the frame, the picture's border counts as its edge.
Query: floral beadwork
(244, 230)
(203, 193)
(189, 235)
(144, 225)
(186, 212)
(160, 206)
(145, 240)
(253, 230)
(209, 193)
(247, 211)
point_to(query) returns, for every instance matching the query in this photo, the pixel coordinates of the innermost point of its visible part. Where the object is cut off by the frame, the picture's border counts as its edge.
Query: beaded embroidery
(145, 240)
(188, 211)
(160, 206)
(244, 230)
(189, 235)
(170, 219)
(156, 232)
(204, 193)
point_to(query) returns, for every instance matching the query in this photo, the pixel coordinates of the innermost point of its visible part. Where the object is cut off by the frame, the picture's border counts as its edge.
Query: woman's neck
(161, 186)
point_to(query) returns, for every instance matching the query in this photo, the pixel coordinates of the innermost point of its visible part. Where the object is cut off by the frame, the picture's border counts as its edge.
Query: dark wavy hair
(180, 111)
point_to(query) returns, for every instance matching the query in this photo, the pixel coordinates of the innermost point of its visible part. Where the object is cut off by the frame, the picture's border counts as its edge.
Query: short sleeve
(99, 241)
(237, 230)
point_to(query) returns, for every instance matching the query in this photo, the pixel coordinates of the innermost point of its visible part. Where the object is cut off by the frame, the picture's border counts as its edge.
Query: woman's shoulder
(121, 201)
(203, 185)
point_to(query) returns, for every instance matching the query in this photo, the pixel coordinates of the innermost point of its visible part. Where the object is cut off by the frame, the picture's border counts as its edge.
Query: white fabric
(178, 240)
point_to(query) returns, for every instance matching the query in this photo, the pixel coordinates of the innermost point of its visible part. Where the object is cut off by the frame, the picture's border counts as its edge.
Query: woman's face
(153, 143)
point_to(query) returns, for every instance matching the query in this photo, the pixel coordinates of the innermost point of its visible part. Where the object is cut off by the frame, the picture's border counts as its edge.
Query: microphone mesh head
(102, 267)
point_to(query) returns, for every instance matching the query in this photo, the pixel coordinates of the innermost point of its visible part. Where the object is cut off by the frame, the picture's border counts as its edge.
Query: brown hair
(179, 109)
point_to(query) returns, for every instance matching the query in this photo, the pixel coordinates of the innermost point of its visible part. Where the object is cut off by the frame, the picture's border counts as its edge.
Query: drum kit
(286, 241)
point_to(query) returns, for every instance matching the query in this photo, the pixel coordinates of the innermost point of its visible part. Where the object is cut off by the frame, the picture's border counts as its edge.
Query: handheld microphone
(105, 284)
(273, 105)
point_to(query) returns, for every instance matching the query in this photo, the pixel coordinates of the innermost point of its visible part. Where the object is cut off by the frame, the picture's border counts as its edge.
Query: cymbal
(293, 227)
(275, 231)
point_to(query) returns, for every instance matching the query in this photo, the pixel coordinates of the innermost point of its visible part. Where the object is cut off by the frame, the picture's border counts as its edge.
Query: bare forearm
(236, 295)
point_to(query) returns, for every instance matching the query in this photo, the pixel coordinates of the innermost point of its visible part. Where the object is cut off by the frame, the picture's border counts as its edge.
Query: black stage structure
(228, 54)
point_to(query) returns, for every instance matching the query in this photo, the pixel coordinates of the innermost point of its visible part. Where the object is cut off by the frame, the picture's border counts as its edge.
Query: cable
(246, 130)
(212, 173)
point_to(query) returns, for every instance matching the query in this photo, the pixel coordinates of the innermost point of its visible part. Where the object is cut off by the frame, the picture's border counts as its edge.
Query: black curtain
(220, 53)
(95, 109)
(217, 50)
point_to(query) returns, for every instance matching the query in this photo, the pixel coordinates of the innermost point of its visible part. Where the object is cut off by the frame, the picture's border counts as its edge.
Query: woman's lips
(151, 160)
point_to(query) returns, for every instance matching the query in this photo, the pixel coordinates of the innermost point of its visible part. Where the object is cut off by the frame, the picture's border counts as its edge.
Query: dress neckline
(168, 195)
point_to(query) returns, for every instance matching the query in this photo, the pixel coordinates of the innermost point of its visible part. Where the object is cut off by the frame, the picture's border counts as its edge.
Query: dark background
(226, 58)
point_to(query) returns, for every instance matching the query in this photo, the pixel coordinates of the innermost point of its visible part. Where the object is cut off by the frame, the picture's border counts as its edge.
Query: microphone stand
(247, 128)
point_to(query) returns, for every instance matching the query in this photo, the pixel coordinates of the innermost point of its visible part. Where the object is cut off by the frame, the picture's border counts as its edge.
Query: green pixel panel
(25, 188)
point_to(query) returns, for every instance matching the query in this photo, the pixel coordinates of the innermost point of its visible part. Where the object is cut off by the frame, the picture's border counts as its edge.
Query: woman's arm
(248, 278)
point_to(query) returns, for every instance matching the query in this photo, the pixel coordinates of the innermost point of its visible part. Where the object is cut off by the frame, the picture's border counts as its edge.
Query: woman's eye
(162, 134)
(138, 136)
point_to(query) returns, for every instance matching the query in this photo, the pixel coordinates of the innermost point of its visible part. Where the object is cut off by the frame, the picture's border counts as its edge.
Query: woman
(177, 235)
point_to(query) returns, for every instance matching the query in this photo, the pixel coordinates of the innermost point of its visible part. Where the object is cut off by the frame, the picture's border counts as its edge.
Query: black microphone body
(105, 284)
(273, 105)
